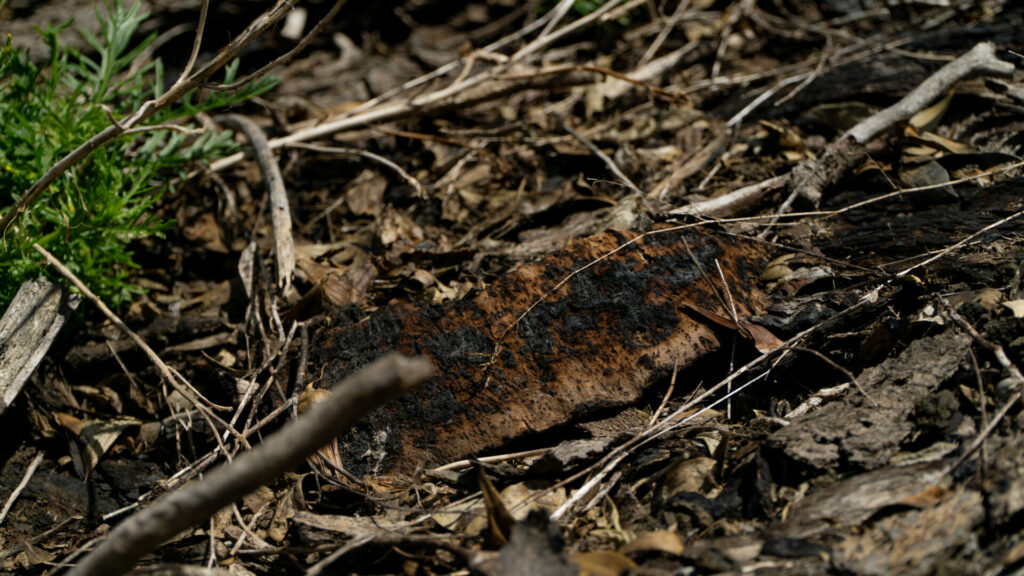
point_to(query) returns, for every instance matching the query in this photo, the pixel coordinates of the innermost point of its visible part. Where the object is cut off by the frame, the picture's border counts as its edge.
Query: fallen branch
(382, 381)
(21, 486)
(811, 177)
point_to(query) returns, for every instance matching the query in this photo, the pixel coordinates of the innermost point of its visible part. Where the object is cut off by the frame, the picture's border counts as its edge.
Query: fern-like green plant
(89, 216)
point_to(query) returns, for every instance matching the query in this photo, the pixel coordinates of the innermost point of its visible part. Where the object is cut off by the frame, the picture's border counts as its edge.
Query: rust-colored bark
(595, 342)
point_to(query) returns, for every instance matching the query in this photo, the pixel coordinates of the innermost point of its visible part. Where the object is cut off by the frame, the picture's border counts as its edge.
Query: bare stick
(810, 178)
(980, 60)
(814, 401)
(733, 202)
(385, 379)
(280, 213)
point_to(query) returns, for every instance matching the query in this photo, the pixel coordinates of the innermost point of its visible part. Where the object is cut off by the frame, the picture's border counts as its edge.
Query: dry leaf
(602, 563)
(665, 541)
(258, 498)
(989, 298)
(930, 117)
(692, 475)
(778, 269)
(71, 423)
(95, 437)
(930, 497)
(284, 509)
(365, 194)
(456, 517)
(1017, 306)
(499, 520)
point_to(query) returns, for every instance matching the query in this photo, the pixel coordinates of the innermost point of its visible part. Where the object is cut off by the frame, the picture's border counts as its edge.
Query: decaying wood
(377, 383)
(852, 501)
(28, 327)
(595, 342)
(867, 435)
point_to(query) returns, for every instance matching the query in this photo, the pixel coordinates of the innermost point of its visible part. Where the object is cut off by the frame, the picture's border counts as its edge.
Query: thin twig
(8, 552)
(318, 568)
(604, 157)
(200, 27)
(441, 71)
(551, 36)
(834, 364)
(668, 394)
(420, 191)
(459, 464)
(286, 57)
(1015, 375)
(21, 486)
(731, 308)
(945, 251)
(816, 400)
(588, 487)
(182, 386)
(668, 25)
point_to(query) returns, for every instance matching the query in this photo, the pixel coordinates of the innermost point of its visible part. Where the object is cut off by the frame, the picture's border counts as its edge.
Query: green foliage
(91, 213)
(582, 7)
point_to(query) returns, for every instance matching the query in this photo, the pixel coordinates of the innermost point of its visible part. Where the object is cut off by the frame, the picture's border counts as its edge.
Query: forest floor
(707, 287)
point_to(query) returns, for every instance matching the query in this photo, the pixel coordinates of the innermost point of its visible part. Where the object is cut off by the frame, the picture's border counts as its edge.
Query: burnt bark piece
(593, 343)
